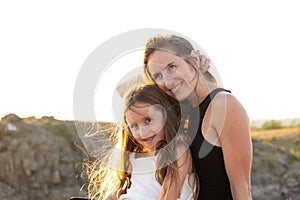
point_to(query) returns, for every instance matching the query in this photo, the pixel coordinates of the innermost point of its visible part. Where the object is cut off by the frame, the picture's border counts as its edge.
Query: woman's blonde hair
(177, 46)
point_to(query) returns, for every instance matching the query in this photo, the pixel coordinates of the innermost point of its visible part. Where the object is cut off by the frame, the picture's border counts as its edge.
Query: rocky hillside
(276, 164)
(39, 160)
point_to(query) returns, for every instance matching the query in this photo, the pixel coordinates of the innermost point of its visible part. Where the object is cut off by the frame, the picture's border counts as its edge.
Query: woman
(222, 148)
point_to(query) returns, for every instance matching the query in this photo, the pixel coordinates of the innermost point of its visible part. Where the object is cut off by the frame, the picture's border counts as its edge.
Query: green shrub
(272, 124)
(297, 141)
(271, 163)
(60, 129)
(273, 138)
(295, 153)
(253, 128)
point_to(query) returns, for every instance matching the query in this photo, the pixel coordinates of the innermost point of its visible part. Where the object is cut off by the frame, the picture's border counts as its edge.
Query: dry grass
(283, 133)
(278, 143)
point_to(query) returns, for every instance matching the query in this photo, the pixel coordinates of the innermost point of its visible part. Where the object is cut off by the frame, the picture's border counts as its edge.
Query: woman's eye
(172, 67)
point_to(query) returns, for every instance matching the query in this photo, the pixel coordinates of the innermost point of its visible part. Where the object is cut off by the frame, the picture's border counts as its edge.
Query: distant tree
(272, 124)
(293, 124)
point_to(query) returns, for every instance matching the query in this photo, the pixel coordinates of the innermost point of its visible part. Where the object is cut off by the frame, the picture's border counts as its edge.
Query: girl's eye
(157, 76)
(148, 120)
(134, 126)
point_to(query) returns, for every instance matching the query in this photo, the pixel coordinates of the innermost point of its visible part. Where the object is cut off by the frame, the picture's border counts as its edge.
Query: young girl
(151, 159)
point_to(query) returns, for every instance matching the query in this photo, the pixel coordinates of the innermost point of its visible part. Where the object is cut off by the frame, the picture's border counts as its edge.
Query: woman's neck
(202, 90)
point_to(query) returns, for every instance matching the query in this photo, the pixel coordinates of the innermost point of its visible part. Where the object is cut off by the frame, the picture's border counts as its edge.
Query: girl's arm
(173, 188)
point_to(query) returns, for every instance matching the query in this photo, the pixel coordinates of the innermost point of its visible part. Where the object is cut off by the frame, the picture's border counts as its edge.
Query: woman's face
(173, 74)
(146, 123)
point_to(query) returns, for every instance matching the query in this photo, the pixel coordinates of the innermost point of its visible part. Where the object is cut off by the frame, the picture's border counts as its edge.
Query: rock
(11, 127)
(56, 177)
(12, 118)
(284, 192)
(33, 157)
(292, 182)
(2, 146)
(38, 161)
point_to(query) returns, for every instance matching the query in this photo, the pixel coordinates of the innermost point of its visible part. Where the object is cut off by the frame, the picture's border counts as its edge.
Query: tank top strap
(205, 103)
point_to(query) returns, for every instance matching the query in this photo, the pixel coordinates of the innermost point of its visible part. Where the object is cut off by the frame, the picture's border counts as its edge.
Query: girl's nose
(144, 132)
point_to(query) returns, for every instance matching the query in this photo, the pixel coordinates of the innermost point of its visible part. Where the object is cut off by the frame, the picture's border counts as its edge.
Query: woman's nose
(166, 81)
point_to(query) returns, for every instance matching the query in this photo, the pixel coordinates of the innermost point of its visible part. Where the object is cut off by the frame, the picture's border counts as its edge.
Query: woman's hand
(204, 62)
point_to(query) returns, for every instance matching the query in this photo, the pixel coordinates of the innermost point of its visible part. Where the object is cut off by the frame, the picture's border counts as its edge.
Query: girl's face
(146, 123)
(173, 74)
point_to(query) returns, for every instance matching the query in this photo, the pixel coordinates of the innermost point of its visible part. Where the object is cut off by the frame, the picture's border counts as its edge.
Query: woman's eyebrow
(164, 68)
(170, 63)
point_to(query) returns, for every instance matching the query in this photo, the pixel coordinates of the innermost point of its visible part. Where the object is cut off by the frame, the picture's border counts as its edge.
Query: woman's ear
(196, 55)
(202, 61)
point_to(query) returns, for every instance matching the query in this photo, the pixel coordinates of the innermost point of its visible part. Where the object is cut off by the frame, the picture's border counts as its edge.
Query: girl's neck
(145, 154)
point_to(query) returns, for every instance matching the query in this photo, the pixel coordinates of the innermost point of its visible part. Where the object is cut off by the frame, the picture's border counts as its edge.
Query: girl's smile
(146, 124)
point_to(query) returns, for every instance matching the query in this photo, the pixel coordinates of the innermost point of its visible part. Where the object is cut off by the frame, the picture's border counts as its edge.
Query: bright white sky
(43, 45)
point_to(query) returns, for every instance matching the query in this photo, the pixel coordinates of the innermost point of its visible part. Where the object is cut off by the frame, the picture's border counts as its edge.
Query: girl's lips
(148, 139)
(148, 142)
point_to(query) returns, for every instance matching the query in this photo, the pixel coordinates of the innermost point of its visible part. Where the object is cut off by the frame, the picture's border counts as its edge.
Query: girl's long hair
(110, 174)
(167, 149)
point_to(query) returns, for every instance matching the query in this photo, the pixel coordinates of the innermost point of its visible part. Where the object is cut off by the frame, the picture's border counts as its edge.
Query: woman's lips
(176, 88)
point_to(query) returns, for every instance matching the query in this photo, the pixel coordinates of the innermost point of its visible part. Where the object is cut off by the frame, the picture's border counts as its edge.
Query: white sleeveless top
(144, 185)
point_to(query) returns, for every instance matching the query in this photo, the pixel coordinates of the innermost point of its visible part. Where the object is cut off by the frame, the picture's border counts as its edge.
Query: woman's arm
(235, 140)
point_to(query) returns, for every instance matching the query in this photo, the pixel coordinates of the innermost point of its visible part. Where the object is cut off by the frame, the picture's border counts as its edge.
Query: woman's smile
(172, 74)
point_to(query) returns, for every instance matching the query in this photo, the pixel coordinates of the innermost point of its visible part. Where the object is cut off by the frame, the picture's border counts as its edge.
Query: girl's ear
(202, 61)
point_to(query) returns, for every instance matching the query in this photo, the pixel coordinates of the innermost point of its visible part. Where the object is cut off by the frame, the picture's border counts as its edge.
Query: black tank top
(209, 161)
